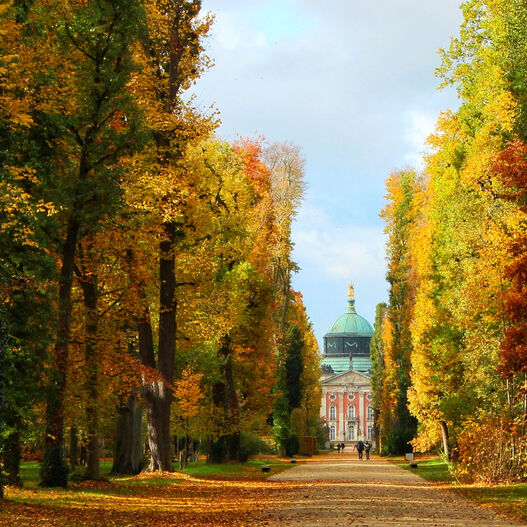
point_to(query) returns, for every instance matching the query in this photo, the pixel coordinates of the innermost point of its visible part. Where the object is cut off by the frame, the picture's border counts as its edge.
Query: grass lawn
(250, 470)
(508, 499)
(429, 468)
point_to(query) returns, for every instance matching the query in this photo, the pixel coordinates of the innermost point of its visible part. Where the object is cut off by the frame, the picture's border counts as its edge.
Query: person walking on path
(360, 448)
(367, 447)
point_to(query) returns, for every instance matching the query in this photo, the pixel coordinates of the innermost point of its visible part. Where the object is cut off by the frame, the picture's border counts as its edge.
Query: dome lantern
(351, 299)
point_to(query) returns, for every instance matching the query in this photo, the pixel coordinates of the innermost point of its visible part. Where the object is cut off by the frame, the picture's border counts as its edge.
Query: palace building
(346, 369)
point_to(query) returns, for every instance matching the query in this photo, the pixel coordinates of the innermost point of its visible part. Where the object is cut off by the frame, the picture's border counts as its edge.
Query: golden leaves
(188, 393)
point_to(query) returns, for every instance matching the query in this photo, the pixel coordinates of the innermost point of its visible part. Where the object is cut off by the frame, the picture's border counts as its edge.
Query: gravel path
(339, 490)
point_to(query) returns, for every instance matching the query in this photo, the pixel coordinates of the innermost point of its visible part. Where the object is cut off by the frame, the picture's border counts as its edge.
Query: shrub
(491, 450)
(251, 444)
(397, 442)
(292, 445)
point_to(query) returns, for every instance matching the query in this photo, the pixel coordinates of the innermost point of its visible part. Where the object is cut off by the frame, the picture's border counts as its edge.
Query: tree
(26, 267)
(294, 365)
(91, 42)
(379, 395)
(172, 57)
(400, 215)
(188, 395)
(511, 166)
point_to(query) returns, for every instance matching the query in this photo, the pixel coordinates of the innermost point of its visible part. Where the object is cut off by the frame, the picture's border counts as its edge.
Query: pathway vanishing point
(340, 490)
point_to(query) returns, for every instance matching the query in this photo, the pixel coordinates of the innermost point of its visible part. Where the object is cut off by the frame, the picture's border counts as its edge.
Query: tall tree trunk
(54, 470)
(160, 395)
(444, 434)
(128, 449)
(90, 293)
(74, 448)
(227, 446)
(12, 455)
(156, 396)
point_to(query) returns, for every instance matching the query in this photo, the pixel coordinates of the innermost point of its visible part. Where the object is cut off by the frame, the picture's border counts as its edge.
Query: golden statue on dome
(351, 291)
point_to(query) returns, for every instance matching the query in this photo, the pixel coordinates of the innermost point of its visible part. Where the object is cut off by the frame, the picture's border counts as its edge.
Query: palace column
(362, 397)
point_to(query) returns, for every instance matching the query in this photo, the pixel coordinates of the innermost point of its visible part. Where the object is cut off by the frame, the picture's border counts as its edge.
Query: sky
(352, 82)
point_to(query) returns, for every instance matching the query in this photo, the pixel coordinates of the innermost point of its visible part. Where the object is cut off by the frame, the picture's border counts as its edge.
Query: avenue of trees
(450, 348)
(145, 270)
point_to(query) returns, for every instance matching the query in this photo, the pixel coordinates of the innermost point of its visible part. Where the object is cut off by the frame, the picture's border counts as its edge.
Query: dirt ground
(340, 490)
(331, 490)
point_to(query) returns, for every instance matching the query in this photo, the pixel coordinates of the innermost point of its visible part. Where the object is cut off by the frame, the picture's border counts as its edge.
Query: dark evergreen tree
(377, 373)
(294, 365)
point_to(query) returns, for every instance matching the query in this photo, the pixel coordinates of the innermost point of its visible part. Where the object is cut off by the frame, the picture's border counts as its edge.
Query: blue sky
(352, 83)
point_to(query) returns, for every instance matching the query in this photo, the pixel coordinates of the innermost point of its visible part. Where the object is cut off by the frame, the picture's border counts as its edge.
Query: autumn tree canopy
(146, 265)
(460, 268)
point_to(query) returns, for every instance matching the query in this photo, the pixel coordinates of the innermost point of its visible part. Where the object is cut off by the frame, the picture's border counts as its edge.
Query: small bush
(492, 450)
(251, 444)
(397, 442)
(292, 445)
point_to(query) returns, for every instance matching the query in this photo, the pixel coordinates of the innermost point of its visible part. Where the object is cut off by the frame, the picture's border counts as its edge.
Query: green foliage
(294, 366)
(218, 449)
(321, 433)
(392, 343)
(292, 445)
(3, 385)
(252, 444)
(298, 422)
(377, 362)
(397, 441)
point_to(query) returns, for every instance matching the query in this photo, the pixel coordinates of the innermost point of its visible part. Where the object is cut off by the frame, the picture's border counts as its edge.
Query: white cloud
(419, 126)
(336, 250)
(351, 82)
(261, 39)
(233, 33)
(331, 254)
(225, 32)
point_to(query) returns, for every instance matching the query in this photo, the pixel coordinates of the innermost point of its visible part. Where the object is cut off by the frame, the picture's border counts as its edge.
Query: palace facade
(346, 369)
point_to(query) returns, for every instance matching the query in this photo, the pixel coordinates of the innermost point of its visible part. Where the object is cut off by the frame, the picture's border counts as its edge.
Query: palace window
(370, 412)
(351, 411)
(370, 429)
(332, 412)
(351, 433)
(332, 433)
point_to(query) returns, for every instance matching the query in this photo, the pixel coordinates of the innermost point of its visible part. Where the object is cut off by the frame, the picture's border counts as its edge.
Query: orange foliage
(511, 166)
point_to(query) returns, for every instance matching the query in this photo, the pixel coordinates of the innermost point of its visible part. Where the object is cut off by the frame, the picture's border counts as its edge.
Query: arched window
(370, 412)
(351, 433)
(332, 412)
(370, 429)
(351, 411)
(332, 433)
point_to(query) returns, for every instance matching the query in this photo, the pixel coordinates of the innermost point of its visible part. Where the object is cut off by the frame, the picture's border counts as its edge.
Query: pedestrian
(338, 448)
(342, 447)
(367, 447)
(360, 448)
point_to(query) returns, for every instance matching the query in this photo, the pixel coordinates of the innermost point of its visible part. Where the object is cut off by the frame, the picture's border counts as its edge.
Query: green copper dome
(351, 323)
(347, 345)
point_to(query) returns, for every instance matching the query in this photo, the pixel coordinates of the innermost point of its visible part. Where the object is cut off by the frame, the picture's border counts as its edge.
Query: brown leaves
(140, 501)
